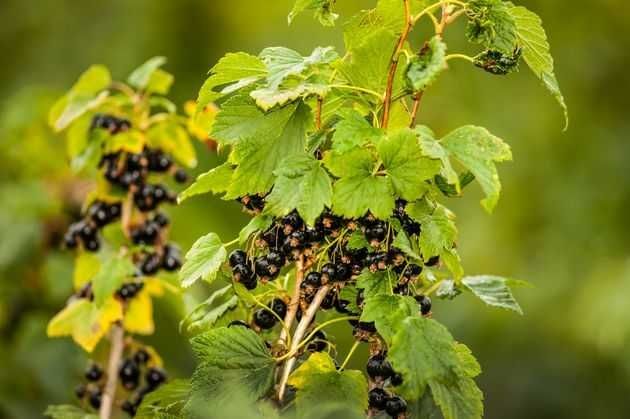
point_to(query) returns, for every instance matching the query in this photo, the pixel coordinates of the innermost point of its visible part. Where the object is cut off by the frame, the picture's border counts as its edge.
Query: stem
(416, 107)
(358, 89)
(231, 243)
(318, 114)
(460, 56)
(433, 288)
(307, 318)
(294, 304)
(354, 348)
(387, 101)
(115, 354)
(127, 214)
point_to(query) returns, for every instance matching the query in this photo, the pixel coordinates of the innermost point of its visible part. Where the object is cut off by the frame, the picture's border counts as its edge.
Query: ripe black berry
(292, 222)
(93, 373)
(95, 398)
(243, 273)
(432, 261)
(263, 267)
(154, 378)
(329, 271)
(141, 356)
(395, 405)
(151, 264)
(129, 374)
(377, 398)
(277, 259)
(318, 342)
(238, 257)
(376, 233)
(264, 319)
(379, 367)
(180, 176)
(425, 304)
(412, 271)
(367, 327)
(128, 407)
(342, 306)
(92, 245)
(279, 307)
(313, 279)
(329, 300)
(343, 272)
(80, 391)
(70, 240)
(396, 379)
(161, 219)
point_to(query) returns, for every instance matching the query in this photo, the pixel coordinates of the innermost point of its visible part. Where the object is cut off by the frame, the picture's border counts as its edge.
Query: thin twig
(387, 101)
(300, 331)
(417, 98)
(318, 114)
(294, 304)
(117, 335)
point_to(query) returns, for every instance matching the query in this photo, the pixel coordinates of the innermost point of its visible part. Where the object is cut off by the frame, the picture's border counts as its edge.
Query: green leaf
(322, 10)
(141, 76)
(357, 241)
(536, 52)
(160, 82)
(353, 131)
(216, 180)
(388, 312)
(478, 151)
(203, 260)
(424, 68)
(206, 314)
(174, 139)
(317, 380)
(374, 283)
(405, 164)
(403, 243)
(269, 97)
(66, 411)
(302, 184)
(110, 277)
(491, 24)
(438, 230)
(259, 223)
(229, 358)
(168, 400)
(279, 134)
(233, 72)
(284, 62)
(458, 399)
(87, 93)
(493, 290)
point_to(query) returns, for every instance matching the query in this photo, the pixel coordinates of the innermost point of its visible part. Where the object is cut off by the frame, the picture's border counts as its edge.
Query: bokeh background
(562, 222)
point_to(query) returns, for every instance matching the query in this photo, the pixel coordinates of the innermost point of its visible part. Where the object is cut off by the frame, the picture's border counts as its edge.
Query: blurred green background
(562, 222)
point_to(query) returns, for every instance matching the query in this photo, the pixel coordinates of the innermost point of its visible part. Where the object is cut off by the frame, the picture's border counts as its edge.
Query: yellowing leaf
(85, 267)
(86, 323)
(139, 314)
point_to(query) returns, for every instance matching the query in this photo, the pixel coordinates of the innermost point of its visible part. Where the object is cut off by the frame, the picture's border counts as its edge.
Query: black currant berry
(432, 261)
(161, 219)
(279, 307)
(129, 374)
(342, 306)
(80, 391)
(180, 176)
(92, 245)
(151, 264)
(277, 259)
(412, 271)
(264, 319)
(70, 240)
(318, 342)
(343, 272)
(262, 267)
(238, 257)
(292, 222)
(376, 233)
(396, 379)
(395, 405)
(377, 398)
(154, 378)
(95, 398)
(128, 407)
(313, 279)
(367, 327)
(329, 271)
(379, 367)
(329, 301)
(93, 373)
(243, 273)
(425, 304)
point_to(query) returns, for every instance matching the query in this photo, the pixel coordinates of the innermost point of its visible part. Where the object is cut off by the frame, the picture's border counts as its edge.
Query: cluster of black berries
(86, 231)
(92, 391)
(149, 232)
(129, 290)
(138, 377)
(169, 259)
(381, 373)
(110, 123)
(266, 318)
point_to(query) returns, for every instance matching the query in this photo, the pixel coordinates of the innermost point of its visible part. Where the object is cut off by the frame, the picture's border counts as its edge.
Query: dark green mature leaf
(405, 164)
(357, 241)
(141, 76)
(113, 273)
(216, 180)
(233, 72)
(388, 312)
(478, 151)
(302, 184)
(458, 399)
(166, 401)
(317, 380)
(491, 24)
(65, 411)
(536, 51)
(425, 68)
(232, 358)
(493, 290)
(87, 93)
(322, 9)
(203, 260)
(353, 131)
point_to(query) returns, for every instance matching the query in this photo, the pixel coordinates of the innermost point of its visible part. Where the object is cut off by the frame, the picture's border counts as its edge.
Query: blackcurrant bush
(379, 367)
(377, 398)
(425, 304)
(264, 319)
(238, 257)
(395, 405)
(154, 377)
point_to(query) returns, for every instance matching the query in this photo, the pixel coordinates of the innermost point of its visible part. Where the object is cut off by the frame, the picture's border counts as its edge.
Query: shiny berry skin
(243, 273)
(249, 283)
(70, 240)
(155, 377)
(314, 235)
(367, 327)
(279, 307)
(343, 272)
(313, 279)
(80, 391)
(318, 342)
(171, 263)
(277, 259)
(238, 257)
(379, 367)
(412, 271)
(342, 306)
(180, 176)
(95, 399)
(425, 304)
(161, 219)
(396, 379)
(151, 264)
(377, 398)
(129, 374)
(293, 220)
(92, 245)
(264, 319)
(93, 373)
(395, 405)
(329, 270)
(432, 261)
(262, 267)
(141, 356)
(128, 407)
(376, 233)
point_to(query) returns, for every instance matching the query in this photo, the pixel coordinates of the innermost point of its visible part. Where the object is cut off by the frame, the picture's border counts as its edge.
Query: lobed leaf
(203, 260)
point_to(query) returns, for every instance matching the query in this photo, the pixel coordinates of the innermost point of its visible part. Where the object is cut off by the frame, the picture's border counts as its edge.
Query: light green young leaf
(302, 184)
(536, 51)
(216, 180)
(87, 93)
(203, 260)
(405, 164)
(424, 69)
(388, 312)
(317, 380)
(160, 82)
(491, 24)
(432, 148)
(322, 10)
(493, 290)
(353, 131)
(269, 97)
(374, 283)
(233, 72)
(478, 151)
(66, 411)
(403, 243)
(438, 230)
(284, 62)
(141, 76)
(110, 277)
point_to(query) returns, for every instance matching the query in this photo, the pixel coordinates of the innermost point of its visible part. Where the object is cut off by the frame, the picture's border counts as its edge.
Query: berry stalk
(117, 336)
